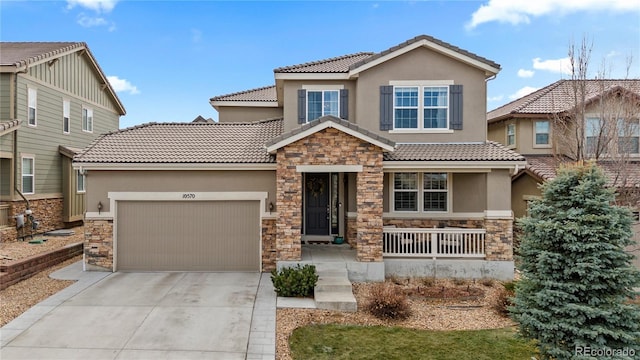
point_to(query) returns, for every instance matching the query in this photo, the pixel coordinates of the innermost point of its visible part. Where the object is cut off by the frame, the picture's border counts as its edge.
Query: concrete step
(331, 268)
(336, 300)
(333, 283)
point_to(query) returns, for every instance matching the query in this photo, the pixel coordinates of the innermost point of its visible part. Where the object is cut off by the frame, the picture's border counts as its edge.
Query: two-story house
(387, 150)
(569, 120)
(54, 100)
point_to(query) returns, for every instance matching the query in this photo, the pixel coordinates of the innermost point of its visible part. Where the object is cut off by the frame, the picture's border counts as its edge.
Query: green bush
(297, 281)
(386, 301)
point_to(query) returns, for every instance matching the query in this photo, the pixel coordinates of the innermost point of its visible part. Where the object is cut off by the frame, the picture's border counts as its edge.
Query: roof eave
(171, 166)
(454, 164)
(230, 103)
(312, 76)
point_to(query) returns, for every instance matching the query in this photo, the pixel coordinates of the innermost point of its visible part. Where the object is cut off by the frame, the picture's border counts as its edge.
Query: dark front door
(316, 187)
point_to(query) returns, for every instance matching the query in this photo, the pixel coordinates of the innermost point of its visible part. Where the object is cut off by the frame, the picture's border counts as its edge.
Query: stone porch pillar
(369, 196)
(289, 206)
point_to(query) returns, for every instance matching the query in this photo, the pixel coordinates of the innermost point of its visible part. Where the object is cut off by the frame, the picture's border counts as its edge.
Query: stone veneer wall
(48, 212)
(268, 244)
(329, 147)
(499, 239)
(98, 244)
(351, 231)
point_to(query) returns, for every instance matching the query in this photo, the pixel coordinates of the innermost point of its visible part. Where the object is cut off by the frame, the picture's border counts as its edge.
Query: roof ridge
(317, 62)
(242, 92)
(72, 45)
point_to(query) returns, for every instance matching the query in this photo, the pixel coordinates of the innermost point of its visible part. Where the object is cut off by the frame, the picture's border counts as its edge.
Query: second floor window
(421, 107)
(541, 133)
(87, 119)
(511, 134)
(602, 138)
(628, 137)
(32, 107)
(66, 111)
(321, 103)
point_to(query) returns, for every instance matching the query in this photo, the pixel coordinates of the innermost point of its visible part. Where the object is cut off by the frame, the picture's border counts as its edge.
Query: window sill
(421, 131)
(542, 146)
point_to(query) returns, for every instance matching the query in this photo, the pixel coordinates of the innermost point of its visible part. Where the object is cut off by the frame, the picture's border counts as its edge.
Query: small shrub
(504, 300)
(297, 281)
(428, 281)
(388, 302)
(487, 282)
(395, 279)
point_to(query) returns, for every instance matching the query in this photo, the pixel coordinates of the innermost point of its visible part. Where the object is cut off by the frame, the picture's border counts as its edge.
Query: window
(80, 183)
(405, 191)
(511, 135)
(628, 137)
(32, 110)
(66, 110)
(321, 103)
(434, 192)
(541, 134)
(87, 119)
(28, 172)
(427, 111)
(593, 129)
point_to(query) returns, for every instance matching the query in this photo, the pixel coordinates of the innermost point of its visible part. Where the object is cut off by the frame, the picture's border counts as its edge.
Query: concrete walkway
(148, 315)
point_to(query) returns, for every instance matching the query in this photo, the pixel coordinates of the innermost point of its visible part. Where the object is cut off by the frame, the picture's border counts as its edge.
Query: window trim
(416, 191)
(32, 94)
(512, 126)
(622, 136)
(66, 116)
(85, 122)
(422, 85)
(420, 193)
(32, 174)
(84, 182)
(535, 144)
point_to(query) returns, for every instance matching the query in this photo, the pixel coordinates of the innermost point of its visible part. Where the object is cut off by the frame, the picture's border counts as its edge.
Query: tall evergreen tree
(577, 279)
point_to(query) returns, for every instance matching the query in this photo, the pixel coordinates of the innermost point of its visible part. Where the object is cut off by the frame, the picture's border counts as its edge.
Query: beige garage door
(188, 236)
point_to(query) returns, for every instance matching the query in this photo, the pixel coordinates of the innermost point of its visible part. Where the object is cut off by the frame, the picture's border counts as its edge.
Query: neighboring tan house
(540, 127)
(54, 100)
(388, 150)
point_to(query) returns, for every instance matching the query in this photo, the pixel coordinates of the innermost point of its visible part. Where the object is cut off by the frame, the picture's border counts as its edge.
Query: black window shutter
(455, 107)
(302, 106)
(386, 107)
(344, 104)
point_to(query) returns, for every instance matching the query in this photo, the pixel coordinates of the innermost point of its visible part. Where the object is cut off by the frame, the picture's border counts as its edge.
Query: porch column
(289, 207)
(369, 217)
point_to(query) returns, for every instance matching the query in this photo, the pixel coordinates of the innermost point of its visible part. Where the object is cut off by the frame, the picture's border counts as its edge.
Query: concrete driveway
(150, 316)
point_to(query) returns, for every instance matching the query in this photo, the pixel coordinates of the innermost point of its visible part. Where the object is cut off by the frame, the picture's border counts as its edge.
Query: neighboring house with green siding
(54, 100)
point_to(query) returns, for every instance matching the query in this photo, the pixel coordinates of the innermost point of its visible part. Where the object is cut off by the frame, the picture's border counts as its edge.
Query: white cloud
(612, 53)
(516, 12)
(562, 66)
(522, 92)
(122, 85)
(495, 98)
(525, 73)
(98, 6)
(88, 21)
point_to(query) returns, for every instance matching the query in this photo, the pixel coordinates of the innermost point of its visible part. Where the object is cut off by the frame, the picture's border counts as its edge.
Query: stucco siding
(247, 114)
(469, 192)
(523, 188)
(99, 183)
(424, 64)
(499, 190)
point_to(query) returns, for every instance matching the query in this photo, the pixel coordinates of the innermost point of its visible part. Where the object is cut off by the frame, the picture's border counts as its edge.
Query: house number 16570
(189, 196)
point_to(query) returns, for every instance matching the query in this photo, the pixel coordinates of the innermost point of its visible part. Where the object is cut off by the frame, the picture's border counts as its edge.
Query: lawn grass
(379, 342)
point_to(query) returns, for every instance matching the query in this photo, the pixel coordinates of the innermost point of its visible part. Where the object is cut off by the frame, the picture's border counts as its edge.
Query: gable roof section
(19, 56)
(184, 143)
(478, 151)
(558, 97)
(339, 64)
(490, 67)
(260, 97)
(325, 122)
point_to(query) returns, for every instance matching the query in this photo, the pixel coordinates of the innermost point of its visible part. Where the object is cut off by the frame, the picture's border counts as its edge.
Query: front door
(316, 199)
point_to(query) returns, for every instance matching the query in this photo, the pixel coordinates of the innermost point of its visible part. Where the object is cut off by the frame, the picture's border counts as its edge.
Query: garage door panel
(188, 236)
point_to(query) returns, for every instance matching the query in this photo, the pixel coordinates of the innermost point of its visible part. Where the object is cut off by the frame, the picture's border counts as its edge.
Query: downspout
(24, 198)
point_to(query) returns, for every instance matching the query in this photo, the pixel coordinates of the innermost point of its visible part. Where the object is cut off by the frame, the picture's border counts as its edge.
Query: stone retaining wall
(22, 269)
(48, 212)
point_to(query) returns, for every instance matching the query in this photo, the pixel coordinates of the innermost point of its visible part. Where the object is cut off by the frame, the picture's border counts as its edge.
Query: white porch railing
(433, 242)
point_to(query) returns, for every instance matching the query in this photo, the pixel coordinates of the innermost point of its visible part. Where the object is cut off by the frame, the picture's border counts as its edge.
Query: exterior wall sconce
(270, 207)
(99, 206)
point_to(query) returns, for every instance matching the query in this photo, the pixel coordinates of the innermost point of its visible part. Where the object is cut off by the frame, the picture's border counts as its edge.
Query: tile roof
(545, 168)
(430, 39)
(558, 97)
(334, 119)
(340, 64)
(481, 151)
(185, 143)
(266, 93)
(23, 53)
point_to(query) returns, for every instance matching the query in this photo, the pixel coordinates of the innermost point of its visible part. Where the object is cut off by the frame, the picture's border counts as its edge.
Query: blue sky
(167, 58)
